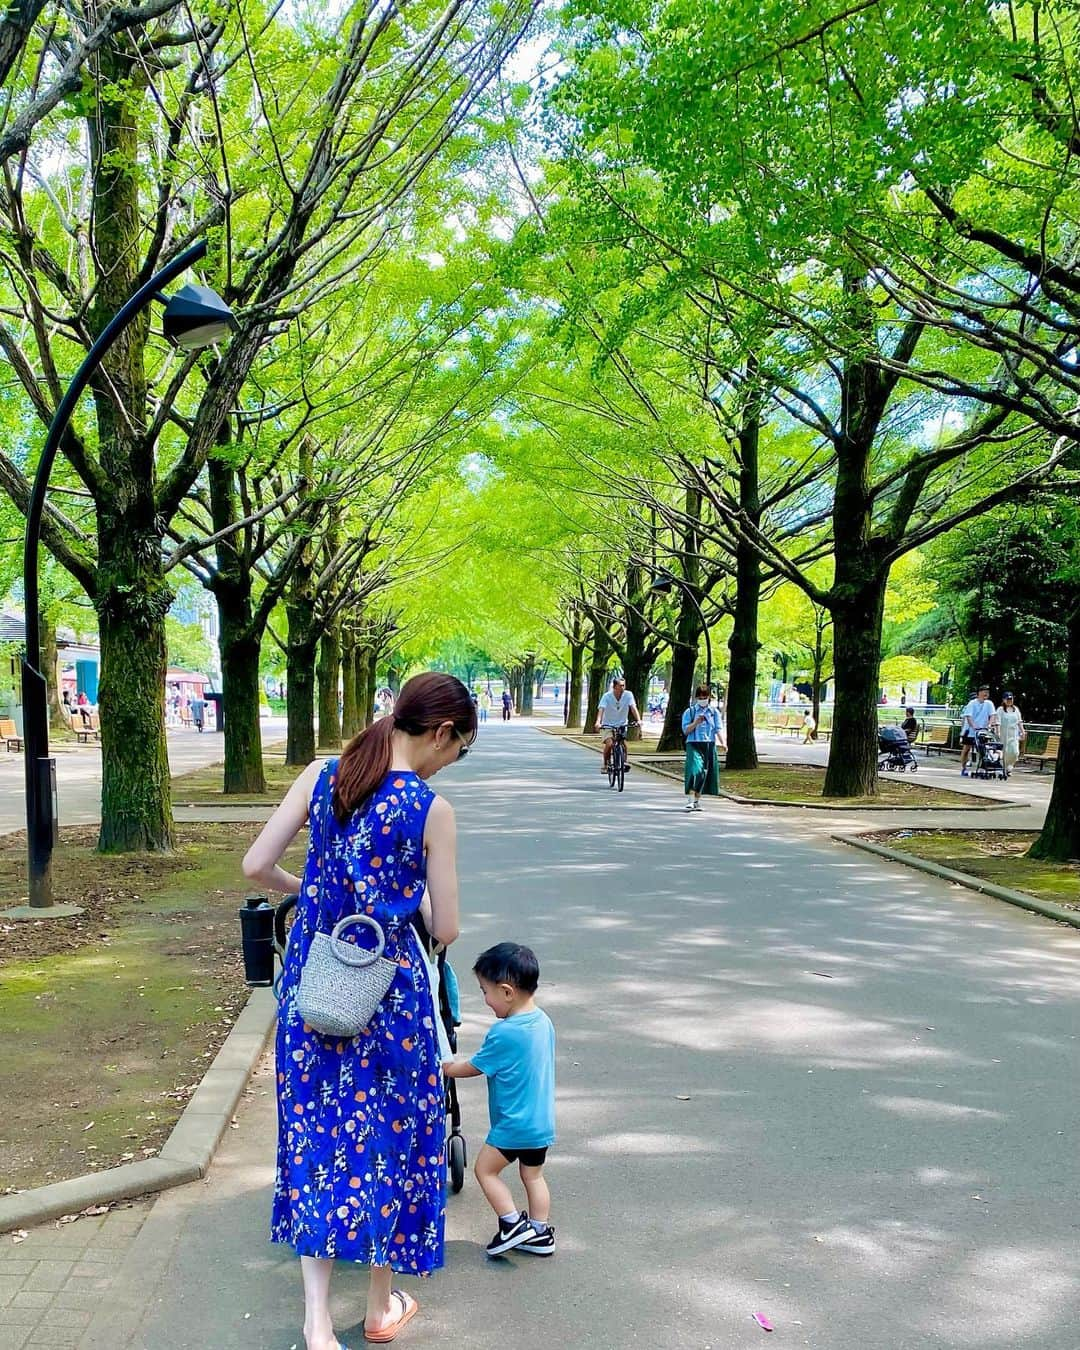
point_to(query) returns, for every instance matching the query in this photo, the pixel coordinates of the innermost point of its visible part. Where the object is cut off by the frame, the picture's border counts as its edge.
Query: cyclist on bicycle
(614, 713)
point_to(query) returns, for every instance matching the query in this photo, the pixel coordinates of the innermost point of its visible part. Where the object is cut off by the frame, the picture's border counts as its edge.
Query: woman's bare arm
(440, 843)
(261, 862)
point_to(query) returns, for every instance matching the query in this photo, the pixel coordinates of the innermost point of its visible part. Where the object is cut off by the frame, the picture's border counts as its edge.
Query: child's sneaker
(511, 1235)
(542, 1242)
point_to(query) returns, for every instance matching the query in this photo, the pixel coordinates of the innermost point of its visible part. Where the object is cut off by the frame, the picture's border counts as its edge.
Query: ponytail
(425, 702)
(363, 765)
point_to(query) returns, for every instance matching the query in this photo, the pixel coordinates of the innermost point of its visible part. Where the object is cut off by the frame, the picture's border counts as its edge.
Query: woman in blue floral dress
(361, 1172)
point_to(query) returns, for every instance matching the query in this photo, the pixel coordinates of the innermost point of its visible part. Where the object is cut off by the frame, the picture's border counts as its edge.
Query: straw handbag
(342, 985)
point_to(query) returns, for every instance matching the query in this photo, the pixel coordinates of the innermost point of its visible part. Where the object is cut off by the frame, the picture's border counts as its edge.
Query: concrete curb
(1044, 907)
(188, 1150)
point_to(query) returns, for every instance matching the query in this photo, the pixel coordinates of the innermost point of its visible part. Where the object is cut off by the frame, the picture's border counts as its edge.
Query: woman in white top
(1011, 729)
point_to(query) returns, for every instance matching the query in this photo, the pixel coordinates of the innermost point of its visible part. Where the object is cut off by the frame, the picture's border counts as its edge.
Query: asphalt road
(792, 1080)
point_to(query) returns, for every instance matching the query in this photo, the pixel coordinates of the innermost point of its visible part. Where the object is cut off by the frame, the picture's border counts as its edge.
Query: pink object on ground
(762, 1321)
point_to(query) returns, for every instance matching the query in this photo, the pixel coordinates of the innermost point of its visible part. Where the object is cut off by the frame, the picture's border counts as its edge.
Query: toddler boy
(518, 1059)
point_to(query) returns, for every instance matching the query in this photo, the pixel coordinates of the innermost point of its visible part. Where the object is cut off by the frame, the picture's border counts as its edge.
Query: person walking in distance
(198, 711)
(507, 704)
(616, 708)
(485, 705)
(704, 731)
(361, 1163)
(978, 715)
(1012, 730)
(518, 1058)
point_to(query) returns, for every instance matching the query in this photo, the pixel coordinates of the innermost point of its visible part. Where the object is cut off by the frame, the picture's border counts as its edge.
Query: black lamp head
(197, 317)
(662, 583)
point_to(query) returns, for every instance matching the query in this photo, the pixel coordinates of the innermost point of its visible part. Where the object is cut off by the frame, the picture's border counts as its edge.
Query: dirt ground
(110, 1019)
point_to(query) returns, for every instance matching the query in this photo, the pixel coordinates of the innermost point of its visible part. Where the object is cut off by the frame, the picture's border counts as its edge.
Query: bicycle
(617, 759)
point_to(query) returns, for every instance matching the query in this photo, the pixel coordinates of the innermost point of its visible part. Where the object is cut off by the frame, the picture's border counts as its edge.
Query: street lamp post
(662, 584)
(195, 317)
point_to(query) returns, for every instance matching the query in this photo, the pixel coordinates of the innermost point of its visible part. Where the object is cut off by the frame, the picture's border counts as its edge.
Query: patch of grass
(799, 784)
(204, 785)
(991, 855)
(110, 1019)
(805, 782)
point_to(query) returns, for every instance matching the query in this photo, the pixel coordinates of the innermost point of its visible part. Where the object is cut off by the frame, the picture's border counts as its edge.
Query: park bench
(10, 736)
(84, 733)
(934, 738)
(1049, 752)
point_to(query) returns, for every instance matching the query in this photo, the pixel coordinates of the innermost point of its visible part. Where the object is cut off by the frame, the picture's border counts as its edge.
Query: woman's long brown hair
(425, 702)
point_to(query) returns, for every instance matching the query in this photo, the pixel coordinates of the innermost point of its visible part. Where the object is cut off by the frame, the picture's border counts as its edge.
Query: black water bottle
(257, 938)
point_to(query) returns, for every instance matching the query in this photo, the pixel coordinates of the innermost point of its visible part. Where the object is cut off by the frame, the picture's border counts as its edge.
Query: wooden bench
(10, 736)
(85, 733)
(1049, 752)
(935, 738)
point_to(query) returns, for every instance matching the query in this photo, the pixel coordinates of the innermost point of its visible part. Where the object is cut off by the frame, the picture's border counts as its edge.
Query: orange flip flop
(409, 1309)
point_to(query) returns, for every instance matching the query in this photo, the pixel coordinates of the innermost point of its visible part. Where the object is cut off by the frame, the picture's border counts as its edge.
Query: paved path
(882, 1159)
(78, 774)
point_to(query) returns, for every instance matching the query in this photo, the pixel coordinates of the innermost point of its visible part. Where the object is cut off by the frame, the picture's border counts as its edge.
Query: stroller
(894, 750)
(989, 756)
(448, 1014)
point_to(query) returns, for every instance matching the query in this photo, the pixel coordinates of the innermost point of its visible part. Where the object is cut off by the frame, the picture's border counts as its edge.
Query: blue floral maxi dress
(361, 1126)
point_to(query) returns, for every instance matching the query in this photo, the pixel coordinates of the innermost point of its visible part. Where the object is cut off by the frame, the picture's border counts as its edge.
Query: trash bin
(218, 700)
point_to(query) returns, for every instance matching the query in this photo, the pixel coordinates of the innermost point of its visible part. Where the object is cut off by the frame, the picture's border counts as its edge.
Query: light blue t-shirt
(708, 730)
(518, 1060)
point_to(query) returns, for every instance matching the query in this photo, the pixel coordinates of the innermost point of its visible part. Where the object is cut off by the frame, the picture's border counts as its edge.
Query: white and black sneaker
(542, 1243)
(510, 1235)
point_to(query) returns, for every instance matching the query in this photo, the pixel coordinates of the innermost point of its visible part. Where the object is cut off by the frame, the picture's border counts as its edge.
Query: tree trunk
(598, 667)
(577, 657)
(136, 806)
(819, 666)
(132, 596)
(240, 688)
(637, 655)
(684, 656)
(528, 684)
(301, 644)
(240, 636)
(365, 703)
(350, 704)
(49, 662)
(372, 670)
(853, 750)
(743, 645)
(638, 668)
(1059, 840)
(329, 663)
(300, 704)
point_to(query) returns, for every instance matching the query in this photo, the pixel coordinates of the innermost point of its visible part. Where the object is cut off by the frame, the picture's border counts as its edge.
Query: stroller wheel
(914, 766)
(457, 1162)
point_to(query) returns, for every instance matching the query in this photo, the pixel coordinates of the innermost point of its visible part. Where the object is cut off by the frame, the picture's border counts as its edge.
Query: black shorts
(528, 1157)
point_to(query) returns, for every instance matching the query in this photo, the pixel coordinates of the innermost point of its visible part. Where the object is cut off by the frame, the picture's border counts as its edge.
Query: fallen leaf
(762, 1321)
(88, 1127)
(679, 1097)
